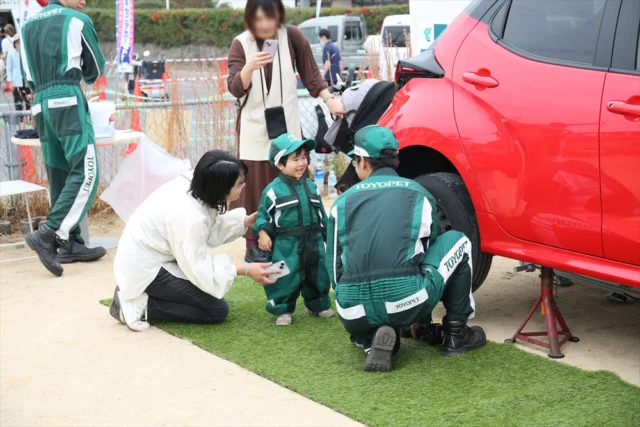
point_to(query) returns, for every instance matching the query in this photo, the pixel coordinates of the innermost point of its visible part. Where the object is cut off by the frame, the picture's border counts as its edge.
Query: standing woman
(266, 86)
(14, 76)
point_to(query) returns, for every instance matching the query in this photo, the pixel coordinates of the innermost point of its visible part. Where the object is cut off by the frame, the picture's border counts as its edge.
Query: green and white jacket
(60, 47)
(380, 229)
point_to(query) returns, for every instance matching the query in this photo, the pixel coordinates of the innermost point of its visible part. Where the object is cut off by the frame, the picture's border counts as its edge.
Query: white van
(15, 12)
(394, 39)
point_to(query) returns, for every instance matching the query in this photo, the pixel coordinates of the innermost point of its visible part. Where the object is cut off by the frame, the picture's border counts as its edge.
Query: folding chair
(23, 188)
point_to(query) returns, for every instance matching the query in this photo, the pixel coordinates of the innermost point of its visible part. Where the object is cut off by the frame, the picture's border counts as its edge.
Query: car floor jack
(551, 314)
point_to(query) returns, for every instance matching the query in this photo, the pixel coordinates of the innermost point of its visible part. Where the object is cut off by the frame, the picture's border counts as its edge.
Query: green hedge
(216, 27)
(153, 4)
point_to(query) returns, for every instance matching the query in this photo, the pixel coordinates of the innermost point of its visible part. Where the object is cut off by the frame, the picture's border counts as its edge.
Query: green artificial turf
(497, 385)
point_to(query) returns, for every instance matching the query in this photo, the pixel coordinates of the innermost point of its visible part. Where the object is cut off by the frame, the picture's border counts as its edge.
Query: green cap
(371, 140)
(286, 144)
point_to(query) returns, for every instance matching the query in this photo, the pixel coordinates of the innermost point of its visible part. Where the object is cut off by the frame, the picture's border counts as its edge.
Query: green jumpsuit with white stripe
(386, 262)
(291, 212)
(60, 49)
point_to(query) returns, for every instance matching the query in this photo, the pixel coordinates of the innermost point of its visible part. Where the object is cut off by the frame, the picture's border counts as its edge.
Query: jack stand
(551, 314)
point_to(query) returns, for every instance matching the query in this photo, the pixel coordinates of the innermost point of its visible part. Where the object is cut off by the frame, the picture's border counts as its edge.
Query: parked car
(393, 40)
(348, 32)
(523, 120)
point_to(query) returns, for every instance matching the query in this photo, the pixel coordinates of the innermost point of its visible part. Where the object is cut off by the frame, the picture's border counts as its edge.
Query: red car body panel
(553, 174)
(619, 170)
(533, 143)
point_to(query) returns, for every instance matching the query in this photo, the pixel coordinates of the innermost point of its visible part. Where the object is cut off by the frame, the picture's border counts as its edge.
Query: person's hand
(259, 60)
(414, 329)
(335, 107)
(250, 220)
(264, 242)
(260, 274)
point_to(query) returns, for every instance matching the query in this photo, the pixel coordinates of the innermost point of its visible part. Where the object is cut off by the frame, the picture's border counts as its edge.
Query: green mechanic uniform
(387, 264)
(60, 49)
(291, 212)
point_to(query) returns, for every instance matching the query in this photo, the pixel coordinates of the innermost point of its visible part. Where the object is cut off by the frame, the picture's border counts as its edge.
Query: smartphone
(270, 46)
(280, 269)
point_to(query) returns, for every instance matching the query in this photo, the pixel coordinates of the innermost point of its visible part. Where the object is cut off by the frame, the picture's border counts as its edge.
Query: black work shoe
(255, 254)
(459, 338)
(379, 358)
(44, 242)
(75, 251)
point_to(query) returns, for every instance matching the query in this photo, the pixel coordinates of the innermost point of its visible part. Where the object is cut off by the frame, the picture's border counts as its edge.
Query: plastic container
(319, 175)
(103, 115)
(333, 192)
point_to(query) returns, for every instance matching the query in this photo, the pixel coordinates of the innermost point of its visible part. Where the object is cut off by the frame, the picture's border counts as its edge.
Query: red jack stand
(551, 314)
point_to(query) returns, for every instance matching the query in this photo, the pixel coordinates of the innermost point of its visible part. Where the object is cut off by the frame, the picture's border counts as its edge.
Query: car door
(620, 142)
(353, 36)
(528, 83)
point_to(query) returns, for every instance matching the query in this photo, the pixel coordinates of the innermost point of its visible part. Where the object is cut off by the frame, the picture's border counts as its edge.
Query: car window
(352, 32)
(312, 34)
(333, 29)
(565, 30)
(638, 53)
(393, 36)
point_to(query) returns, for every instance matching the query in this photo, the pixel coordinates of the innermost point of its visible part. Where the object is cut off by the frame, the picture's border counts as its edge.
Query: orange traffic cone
(135, 115)
(223, 73)
(369, 73)
(100, 86)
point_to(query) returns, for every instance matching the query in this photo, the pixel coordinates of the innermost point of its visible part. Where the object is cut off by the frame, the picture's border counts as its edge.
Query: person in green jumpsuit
(387, 264)
(60, 49)
(291, 226)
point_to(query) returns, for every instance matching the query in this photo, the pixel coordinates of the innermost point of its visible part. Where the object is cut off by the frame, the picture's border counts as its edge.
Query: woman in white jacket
(163, 268)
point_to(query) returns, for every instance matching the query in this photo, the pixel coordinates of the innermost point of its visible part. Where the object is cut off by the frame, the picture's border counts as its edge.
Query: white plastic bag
(139, 175)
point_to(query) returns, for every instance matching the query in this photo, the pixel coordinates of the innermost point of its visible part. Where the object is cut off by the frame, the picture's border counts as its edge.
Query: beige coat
(254, 140)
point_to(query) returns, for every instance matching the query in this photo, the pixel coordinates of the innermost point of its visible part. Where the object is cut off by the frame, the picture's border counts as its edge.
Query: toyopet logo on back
(46, 14)
(91, 173)
(457, 256)
(384, 184)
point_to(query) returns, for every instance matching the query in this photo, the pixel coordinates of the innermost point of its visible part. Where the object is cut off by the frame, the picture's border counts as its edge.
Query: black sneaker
(76, 251)
(44, 242)
(379, 357)
(255, 254)
(460, 338)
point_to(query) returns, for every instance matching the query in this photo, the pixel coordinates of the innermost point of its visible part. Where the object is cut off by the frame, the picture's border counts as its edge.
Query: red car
(523, 120)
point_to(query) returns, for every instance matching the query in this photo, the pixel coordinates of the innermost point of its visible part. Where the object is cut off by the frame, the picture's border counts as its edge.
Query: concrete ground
(65, 361)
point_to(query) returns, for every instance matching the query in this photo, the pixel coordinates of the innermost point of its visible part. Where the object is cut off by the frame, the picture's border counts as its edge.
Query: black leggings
(172, 298)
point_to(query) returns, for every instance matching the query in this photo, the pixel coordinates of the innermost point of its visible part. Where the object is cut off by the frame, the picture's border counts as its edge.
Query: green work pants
(302, 248)
(68, 146)
(444, 275)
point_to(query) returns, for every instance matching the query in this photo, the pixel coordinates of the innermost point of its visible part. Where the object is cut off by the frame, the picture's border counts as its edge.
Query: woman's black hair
(376, 164)
(325, 33)
(214, 176)
(272, 8)
(284, 159)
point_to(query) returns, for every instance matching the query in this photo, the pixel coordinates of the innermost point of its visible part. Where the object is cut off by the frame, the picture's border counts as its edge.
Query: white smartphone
(280, 269)
(270, 46)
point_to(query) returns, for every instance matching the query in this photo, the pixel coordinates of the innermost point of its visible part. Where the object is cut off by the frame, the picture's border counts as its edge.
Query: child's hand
(264, 242)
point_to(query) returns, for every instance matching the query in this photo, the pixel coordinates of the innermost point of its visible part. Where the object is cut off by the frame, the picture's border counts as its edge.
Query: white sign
(430, 18)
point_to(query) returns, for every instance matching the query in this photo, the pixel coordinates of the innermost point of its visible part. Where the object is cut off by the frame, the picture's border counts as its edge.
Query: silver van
(348, 32)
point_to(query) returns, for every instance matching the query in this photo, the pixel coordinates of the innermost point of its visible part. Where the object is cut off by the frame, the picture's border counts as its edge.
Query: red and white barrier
(177, 61)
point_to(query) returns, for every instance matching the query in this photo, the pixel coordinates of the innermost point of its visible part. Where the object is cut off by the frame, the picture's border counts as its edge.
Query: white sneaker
(325, 314)
(284, 320)
(132, 311)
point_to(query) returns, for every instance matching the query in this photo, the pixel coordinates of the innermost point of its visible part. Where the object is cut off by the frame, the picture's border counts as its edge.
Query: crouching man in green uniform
(387, 264)
(60, 49)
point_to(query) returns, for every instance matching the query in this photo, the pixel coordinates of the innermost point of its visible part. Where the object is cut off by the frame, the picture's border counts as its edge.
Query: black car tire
(457, 213)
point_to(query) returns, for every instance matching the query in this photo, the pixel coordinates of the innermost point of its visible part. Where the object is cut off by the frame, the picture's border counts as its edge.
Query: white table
(120, 137)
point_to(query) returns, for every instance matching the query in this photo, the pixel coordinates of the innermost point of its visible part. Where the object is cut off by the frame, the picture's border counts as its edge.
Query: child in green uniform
(291, 226)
